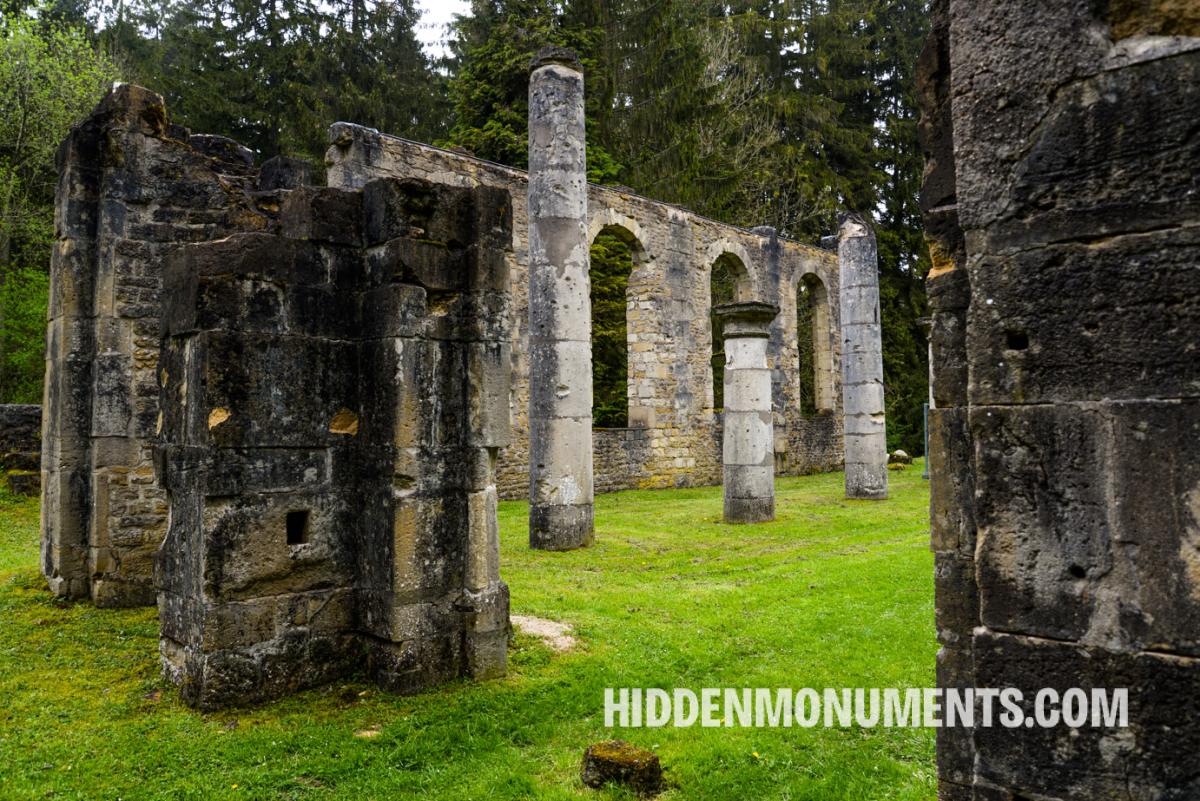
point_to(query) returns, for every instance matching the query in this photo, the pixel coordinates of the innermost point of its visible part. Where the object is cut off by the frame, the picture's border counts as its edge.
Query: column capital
(562, 56)
(852, 225)
(746, 319)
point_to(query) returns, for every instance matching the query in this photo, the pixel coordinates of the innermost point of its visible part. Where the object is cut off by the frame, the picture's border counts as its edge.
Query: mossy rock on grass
(24, 482)
(622, 763)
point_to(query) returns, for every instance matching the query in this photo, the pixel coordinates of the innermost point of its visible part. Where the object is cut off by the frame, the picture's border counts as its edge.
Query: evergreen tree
(489, 90)
(274, 74)
(611, 265)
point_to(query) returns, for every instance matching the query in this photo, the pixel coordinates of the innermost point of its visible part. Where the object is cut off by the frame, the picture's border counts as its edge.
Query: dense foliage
(611, 265)
(777, 112)
(50, 76)
(274, 74)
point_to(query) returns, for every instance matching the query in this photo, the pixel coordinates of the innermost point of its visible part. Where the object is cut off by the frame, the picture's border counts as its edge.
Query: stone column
(749, 452)
(862, 360)
(560, 317)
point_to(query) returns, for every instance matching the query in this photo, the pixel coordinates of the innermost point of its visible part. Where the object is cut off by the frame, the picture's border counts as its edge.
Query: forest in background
(760, 112)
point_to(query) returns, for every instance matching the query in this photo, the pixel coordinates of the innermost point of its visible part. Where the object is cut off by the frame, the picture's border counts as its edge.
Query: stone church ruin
(285, 413)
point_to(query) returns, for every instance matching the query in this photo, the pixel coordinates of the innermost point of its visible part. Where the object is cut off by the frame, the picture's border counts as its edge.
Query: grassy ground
(834, 593)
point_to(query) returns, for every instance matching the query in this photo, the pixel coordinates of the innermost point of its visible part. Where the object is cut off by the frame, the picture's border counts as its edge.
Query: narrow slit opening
(297, 527)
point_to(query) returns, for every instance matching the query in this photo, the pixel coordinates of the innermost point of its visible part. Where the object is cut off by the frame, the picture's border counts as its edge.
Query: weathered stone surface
(284, 172)
(1157, 756)
(862, 361)
(20, 436)
(320, 418)
(749, 457)
(1061, 210)
(618, 762)
(120, 212)
(329, 500)
(560, 356)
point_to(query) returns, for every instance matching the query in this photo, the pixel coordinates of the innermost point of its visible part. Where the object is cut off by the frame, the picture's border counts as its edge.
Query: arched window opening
(725, 282)
(815, 369)
(612, 260)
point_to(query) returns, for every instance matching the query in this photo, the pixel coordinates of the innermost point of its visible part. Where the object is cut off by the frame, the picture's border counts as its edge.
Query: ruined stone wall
(1063, 216)
(20, 436)
(333, 395)
(670, 341)
(275, 410)
(131, 188)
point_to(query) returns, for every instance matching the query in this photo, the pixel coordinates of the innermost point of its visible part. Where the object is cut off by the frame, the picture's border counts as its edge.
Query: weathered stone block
(952, 482)
(1154, 518)
(396, 310)
(1155, 757)
(436, 266)
(1050, 324)
(618, 762)
(322, 214)
(418, 210)
(489, 376)
(1041, 513)
(284, 172)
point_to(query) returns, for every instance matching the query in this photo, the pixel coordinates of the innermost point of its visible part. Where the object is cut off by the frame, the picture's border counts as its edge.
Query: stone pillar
(560, 318)
(862, 361)
(749, 452)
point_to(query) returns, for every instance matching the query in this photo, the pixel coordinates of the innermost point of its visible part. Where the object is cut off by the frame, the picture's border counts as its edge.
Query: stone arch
(736, 260)
(622, 224)
(814, 332)
(614, 333)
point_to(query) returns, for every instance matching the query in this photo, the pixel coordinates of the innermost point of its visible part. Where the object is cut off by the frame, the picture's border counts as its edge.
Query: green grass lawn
(835, 593)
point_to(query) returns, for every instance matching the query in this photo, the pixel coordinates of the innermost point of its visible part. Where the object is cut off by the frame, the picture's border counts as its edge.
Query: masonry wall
(327, 447)
(674, 439)
(131, 188)
(20, 436)
(275, 410)
(1061, 208)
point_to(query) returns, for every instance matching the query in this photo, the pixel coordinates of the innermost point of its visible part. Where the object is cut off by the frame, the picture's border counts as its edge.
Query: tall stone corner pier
(560, 359)
(749, 453)
(1063, 223)
(862, 360)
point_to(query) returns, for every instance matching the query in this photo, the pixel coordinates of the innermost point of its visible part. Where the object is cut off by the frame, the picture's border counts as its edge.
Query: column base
(866, 482)
(749, 510)
(560, 528)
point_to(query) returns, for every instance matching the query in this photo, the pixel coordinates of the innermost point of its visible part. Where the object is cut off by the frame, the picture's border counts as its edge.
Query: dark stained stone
(618, 762)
